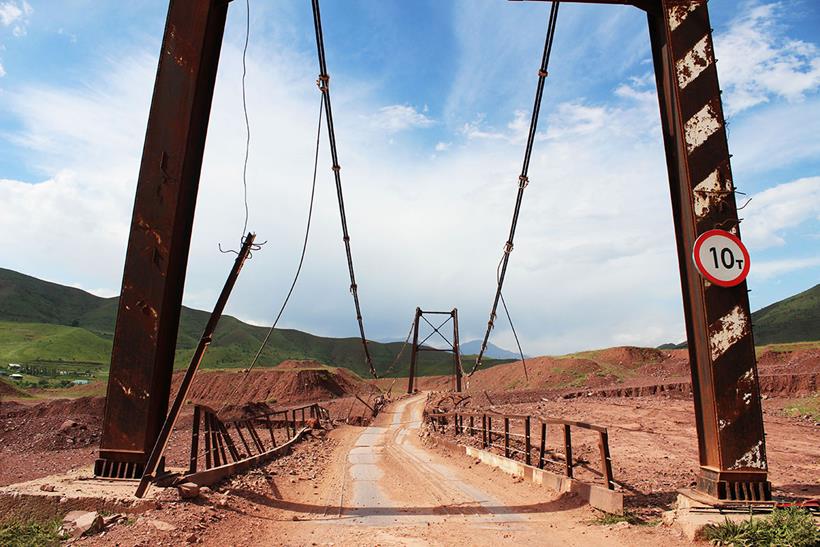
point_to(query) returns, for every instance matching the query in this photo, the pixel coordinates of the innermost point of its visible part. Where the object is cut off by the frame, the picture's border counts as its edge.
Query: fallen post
(155, 458)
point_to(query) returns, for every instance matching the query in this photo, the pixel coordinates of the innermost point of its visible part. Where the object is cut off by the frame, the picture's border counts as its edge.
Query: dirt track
(383, 487)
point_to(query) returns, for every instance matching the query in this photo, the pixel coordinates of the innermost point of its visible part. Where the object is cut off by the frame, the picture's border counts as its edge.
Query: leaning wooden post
(543, 450)
(182, 393)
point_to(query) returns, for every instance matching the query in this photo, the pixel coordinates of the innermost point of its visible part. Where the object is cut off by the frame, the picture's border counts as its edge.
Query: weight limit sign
(721, 258)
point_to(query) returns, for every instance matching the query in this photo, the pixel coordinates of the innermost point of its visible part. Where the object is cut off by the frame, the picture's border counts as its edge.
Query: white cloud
(9, 13)
(595, 235)
(758, 62)
(16, 14)
(397, 117)
(594, 260)
(774, 211)
(769, 269)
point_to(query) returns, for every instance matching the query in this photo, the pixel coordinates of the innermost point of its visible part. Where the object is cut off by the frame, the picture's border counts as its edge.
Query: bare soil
(322, 495)
(641, 395)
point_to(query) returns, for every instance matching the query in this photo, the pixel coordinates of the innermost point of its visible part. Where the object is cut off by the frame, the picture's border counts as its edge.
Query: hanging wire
(509, 318)
(324, 86)
(245, 110)
(298, 269)
(520, 351)
(247, 134)
(523, 181)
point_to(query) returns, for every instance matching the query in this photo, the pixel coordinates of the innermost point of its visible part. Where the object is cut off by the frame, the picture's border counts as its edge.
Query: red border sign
(705, 272)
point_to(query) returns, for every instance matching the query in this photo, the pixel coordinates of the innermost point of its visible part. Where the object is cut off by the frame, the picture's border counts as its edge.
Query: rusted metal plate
(718, 322)
(157, 255)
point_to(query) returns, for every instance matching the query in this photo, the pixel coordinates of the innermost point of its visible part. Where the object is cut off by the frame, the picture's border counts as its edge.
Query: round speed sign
(721, 258)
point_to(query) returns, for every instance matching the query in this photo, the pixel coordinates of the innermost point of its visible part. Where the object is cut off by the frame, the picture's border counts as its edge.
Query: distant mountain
(493, 352)
(47, 322)
(794, 319)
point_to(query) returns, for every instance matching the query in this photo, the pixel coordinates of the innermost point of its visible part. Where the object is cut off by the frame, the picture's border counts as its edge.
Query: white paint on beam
(728, 330)
(753, 458)
(678, 14)
(701, 126)
(710, 191)
(696, 61)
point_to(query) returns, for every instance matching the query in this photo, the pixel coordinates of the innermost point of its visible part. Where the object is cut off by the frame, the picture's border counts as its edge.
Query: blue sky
(431, 99)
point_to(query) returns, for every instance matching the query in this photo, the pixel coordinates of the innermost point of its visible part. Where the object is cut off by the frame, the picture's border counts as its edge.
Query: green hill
(795, 319)
(42, 322)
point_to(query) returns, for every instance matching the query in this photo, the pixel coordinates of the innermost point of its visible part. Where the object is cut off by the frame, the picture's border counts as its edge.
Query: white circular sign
(721, 258)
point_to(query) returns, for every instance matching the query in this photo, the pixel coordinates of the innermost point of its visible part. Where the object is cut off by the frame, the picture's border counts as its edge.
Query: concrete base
(56, 495)
(691, 515)
(597, 496)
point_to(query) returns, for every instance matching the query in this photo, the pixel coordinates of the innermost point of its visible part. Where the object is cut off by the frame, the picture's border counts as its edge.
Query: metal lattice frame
(417, 347)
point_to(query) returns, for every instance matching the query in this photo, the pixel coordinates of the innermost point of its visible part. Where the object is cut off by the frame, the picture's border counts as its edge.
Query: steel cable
(523, 180)
(298, 269)
(323, 82)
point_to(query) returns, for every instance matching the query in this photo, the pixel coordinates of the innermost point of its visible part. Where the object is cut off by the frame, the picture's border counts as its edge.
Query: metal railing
(222, 447)
(516, 438)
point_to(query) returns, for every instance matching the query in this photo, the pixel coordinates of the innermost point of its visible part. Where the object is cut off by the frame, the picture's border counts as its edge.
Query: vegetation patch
(608, 519)
(791, 526)
(20, 533)
(807, 406)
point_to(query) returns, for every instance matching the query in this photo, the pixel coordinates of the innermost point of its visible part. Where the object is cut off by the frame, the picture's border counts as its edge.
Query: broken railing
(228, 443)
(514, 435)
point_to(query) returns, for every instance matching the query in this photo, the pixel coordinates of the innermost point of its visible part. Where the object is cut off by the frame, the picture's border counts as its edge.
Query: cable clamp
(543, 73)
(346, 239)
(323, 83)
(336, 168)
(523, 181)
(353, 288)
(508, 247)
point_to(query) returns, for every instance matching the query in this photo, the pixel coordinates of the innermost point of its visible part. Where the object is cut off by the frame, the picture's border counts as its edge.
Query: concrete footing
(598, 497)
(56, 495)
(692, 515)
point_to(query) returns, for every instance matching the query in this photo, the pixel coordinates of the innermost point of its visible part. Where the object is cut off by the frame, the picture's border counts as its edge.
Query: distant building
(15, 366)
(16, 377)
(79, 382)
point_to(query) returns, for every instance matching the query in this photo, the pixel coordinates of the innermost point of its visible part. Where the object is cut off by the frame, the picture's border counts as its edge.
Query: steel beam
(456, 351)
(414, 351)
(725, 383)
(156, 260)
(154, 459)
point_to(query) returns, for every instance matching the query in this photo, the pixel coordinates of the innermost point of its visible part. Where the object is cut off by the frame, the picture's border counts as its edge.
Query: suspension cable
(298, 269)
(404, 345)
(324, 87)
(523, 180)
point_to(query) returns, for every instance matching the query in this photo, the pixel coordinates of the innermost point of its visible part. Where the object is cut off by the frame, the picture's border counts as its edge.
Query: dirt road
(384, 488)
